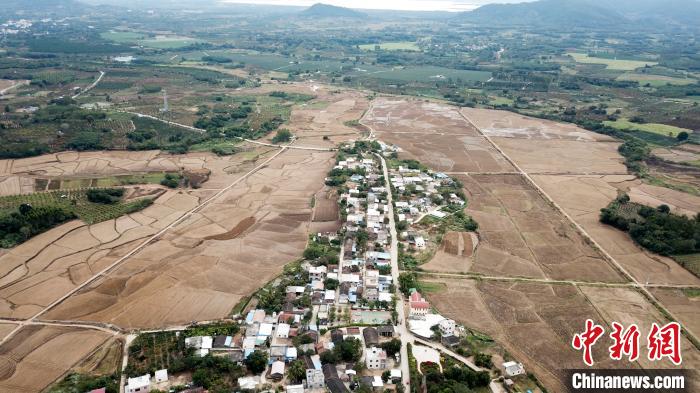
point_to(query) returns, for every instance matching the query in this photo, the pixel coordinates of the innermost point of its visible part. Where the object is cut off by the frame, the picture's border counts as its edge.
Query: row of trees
(657, 230)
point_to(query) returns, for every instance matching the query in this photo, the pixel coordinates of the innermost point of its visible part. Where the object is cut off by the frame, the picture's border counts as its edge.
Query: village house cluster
(364, 268)
(419, 193)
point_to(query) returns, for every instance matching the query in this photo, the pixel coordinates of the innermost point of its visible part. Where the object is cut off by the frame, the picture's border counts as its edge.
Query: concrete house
(138, 384)
(375, 358)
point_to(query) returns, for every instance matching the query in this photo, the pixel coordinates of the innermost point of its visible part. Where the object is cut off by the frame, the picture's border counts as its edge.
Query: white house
(315, 379)
(265, 330)
(447, 327)
(375, 359)
(283, 330)
(511, 369)
(138, 384)
(294, 388)
(199, 342)
(317, 273)
(161, 375)
(420, 242)
(249, 383)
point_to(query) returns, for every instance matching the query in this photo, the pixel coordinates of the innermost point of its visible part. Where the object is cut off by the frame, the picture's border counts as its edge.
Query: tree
(682, 136)
(256, 362)
(483, 360)
(349, 350)
(329, 357)
(282, 136)
(25, 208)
(331, 284)
(392, 347)
(386, 375)
(297, 371)
(407, 281)
(108, 196)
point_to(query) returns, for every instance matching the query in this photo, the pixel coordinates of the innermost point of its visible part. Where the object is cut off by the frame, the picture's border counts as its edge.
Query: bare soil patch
(236, 231)
(679, 202)
(455, 253)
(36, 273)
(521, 234)
(38, 355)
(582, 197)
(512, 125)
(682, 305)
(184, 276)
(435, 134)
(326, 205)
(535, 323)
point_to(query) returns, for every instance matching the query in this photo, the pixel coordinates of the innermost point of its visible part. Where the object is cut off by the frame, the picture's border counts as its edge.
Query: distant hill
(330, 11)
(24, 8)
(589, 13)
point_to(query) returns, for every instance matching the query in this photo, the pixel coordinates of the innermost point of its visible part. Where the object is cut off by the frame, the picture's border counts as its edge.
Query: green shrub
(107, 196)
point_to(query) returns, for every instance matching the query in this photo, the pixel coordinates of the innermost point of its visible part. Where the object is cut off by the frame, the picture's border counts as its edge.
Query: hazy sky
(409, 5)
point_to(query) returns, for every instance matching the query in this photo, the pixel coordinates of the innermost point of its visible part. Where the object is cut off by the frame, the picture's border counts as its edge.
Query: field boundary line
(141, 246)
(202, 131)
(92, 86)
(582, 231)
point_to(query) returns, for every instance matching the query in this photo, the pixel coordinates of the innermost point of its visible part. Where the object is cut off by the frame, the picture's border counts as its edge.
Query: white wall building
(447, 327)
(375, 359)
(138, 384)
(315, 379)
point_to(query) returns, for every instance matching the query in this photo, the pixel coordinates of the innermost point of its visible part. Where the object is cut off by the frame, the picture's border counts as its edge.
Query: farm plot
(325, 120)
(678, 155)
(540, 146)
(627, 306)
(41, 270)
(183, 276)
(535, 323)
(512, 125)
(679, 202)
(434, 134)
(582, 197)
(38, 355)
(455, 253)
(683, 303)
(26, 175)
(522, 235)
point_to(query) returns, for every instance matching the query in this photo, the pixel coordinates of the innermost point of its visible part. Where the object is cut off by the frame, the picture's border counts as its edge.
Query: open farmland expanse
(38, 355)
(43, 269)
(540, 146)
(435, 134)
(582, 197)
(327, 115)
(584, 180)
(184, 276)
(22, 176)
(684, 303)
(535, 322)
(522, 235)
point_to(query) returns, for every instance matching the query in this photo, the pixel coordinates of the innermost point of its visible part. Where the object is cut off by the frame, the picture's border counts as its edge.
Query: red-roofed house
(418, 306)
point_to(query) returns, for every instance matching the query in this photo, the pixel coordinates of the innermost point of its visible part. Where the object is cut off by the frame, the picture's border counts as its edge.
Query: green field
(122, 37)
(401, 45)
(660, 129)
(74, 201)
(424, 74)
(655, 80)
(168, 42)
(692, 263)
(612, 64)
